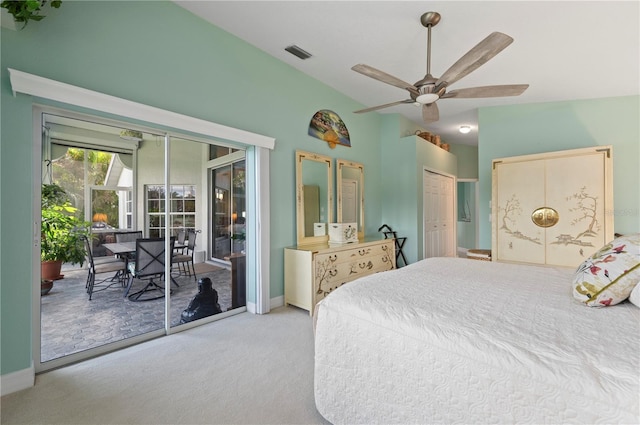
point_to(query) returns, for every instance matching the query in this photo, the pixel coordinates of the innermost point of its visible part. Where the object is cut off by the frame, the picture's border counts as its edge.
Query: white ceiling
(564, 50)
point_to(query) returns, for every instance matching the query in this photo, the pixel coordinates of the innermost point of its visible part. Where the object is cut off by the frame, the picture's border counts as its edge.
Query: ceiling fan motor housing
(426, 88)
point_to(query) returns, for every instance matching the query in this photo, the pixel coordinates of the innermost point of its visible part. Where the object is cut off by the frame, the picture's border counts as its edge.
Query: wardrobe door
(576, 190)
(519, 189)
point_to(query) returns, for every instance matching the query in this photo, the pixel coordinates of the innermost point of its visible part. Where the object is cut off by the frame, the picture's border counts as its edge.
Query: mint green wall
(159, 54)
(527, 129)
(404, 157)
(467, 160)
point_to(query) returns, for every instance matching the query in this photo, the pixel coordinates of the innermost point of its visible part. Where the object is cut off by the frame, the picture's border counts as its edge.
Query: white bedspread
(451, 340)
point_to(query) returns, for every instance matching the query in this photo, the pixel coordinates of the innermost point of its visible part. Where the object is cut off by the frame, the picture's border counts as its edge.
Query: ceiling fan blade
(376, 74)
(430, 112)
(386, 105)
(487, 91)
(474, 58)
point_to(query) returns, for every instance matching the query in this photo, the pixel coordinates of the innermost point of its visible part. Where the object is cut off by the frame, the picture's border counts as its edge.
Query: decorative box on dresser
(312, 271)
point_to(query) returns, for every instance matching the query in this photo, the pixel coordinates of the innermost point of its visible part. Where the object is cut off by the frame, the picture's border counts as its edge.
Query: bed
(452, 340)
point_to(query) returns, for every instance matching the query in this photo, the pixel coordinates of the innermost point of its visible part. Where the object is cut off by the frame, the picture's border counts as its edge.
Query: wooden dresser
(312, 271)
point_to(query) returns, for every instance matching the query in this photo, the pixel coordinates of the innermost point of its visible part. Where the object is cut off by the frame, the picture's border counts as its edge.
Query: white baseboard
(16, 381)
(276, 302)
(273, 303)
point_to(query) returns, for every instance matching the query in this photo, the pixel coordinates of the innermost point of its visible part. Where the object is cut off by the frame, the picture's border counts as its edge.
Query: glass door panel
(96, 168)
(228, 227)
(204, 288)
(221, 228)
(238, 208)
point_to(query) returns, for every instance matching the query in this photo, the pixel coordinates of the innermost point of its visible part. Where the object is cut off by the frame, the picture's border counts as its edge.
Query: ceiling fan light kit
(429, 89)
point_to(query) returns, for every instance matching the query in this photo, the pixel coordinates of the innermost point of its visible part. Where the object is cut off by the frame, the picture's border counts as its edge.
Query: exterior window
(182, 200)
(220, 151)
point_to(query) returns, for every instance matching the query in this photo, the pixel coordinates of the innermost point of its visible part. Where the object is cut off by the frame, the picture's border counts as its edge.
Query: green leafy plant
(24, 11)
(62, 231)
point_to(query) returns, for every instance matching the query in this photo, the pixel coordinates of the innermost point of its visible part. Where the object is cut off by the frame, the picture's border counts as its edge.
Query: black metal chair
(181, 236)
(184, 261)
(148, 266)
(118, 267)
(128, 236)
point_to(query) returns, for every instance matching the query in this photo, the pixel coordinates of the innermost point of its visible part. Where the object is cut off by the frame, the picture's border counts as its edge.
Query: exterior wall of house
(544, 127)
(159, 54)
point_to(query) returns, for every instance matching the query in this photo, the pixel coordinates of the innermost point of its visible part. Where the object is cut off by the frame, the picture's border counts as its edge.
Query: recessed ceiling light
(464, 129)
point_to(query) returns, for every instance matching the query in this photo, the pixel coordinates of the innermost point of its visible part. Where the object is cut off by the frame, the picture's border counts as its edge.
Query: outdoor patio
(71, 323)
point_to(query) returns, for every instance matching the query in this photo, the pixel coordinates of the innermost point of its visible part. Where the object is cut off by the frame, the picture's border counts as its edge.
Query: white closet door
(520, 189)
(439, 218)
(575, 188)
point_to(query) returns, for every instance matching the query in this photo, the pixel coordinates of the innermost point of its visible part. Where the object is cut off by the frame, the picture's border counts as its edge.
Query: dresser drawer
(356, 253)
(334, 269)
(311, 274)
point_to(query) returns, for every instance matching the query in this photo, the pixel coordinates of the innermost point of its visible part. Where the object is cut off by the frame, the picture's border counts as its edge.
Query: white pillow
(634, 297)
(608, 276)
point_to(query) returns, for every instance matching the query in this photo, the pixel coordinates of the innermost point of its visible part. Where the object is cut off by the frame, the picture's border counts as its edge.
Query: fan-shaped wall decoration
(328, 126)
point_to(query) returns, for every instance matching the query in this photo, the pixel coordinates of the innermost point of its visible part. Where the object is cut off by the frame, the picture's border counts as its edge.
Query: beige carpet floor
(245, 369)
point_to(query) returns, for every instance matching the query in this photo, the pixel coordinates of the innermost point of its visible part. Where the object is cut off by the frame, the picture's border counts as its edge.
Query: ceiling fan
(429, 89)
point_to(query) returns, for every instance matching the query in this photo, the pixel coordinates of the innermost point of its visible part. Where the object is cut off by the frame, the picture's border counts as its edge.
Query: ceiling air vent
(296, 51)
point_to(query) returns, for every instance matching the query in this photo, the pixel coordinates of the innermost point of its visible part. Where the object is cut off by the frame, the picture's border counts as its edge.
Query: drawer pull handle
(367, 266)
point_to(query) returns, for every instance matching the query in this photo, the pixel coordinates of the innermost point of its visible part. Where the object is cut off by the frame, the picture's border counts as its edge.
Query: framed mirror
(350, 181)
(314, 197)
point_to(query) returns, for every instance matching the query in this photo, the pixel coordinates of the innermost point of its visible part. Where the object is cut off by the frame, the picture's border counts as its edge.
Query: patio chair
(181, 236)
(148, 266)
(184, 261)
(128, 236)
(94, 285)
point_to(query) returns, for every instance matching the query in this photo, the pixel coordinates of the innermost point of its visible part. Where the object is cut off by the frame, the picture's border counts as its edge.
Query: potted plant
(61, 232)
(24, 11)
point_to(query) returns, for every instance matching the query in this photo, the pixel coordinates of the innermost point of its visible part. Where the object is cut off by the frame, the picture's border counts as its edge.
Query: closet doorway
(467, 226)
(439, 221)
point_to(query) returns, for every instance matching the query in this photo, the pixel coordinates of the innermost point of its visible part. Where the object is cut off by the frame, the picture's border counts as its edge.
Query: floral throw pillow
(608, 276)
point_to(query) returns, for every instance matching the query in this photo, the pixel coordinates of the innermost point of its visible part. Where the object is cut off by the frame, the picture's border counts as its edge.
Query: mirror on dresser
(350, 182)
(314, 197)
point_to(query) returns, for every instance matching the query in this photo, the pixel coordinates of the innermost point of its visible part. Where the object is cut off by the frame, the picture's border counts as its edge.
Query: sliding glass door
(116, 181)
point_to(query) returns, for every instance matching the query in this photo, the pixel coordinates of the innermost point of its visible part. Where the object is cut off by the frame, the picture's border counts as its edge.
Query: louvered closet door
(520, 189)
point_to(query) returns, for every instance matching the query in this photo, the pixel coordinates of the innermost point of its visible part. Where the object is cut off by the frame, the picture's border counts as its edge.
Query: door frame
(98, 105)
